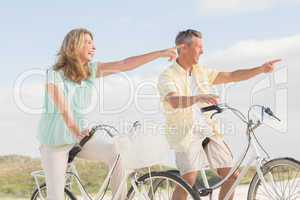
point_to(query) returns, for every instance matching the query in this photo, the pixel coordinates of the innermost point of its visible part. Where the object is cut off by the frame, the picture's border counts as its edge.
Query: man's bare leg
(222, 172)
(179, 193)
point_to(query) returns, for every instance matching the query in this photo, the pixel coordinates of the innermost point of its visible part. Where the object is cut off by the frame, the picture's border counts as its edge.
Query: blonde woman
(68, 89)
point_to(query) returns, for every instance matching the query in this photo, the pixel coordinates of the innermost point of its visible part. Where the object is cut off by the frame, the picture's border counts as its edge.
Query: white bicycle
(142, 187)
(275, 179)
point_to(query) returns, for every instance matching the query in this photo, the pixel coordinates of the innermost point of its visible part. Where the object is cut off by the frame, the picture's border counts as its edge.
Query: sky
(237, 34)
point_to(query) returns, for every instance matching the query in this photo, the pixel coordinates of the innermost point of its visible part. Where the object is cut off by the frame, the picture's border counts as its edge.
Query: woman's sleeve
(93, 69)
(54, 77)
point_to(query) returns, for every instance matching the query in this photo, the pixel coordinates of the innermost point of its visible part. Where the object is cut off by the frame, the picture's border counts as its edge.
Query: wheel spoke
(282, 181)
(162, 187)
(67, 195)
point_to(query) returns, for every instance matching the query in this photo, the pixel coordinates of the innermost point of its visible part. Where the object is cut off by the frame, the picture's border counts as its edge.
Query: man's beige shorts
(216, 155)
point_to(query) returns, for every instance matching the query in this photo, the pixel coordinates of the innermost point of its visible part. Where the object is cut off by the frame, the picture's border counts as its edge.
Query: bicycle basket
(140, 149)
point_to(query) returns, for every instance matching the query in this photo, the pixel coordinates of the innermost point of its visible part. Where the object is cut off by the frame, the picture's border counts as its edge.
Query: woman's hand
(208, 98)
(80, 135)
(170, 53)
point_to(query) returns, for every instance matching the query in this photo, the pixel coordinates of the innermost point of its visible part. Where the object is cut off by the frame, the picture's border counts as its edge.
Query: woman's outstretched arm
(104, 69)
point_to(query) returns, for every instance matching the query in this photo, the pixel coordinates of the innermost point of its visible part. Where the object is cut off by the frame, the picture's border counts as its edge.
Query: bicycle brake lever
(269, 112)
(212, 115)
(136, 124)
(217, 112)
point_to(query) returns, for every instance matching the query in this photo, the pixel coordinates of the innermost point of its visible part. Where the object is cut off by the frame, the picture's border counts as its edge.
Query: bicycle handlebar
(220, 107)
(216, 107)
(77, 148)
(86, 138)
(210, 108)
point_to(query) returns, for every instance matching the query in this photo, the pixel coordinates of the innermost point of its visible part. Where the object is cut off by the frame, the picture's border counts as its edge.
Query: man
(179, 87)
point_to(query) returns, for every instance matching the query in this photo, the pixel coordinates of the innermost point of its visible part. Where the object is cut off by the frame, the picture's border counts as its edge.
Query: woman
(69, 87)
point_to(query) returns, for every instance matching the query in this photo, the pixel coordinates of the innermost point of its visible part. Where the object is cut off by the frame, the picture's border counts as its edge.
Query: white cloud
(257, 51)
(229, 7)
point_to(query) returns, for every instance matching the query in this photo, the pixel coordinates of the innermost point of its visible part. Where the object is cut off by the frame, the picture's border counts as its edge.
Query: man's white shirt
(200, 127)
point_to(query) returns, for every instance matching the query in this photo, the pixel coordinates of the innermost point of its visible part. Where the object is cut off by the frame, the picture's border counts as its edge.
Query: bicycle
(277, 178)
(142, 187)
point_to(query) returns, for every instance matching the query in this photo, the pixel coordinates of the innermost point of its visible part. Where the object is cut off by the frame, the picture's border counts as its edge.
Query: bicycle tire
(287, 164)
(198, 186)
(157, 178)
(35, 194)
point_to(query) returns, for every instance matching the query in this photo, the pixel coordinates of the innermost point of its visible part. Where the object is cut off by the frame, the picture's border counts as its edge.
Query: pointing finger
(275, 61)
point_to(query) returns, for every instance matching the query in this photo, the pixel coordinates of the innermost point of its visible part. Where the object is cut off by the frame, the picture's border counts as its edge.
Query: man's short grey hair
(185, 37)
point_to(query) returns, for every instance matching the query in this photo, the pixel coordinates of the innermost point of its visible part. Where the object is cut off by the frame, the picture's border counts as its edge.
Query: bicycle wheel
(35, 196)
(159, 185)
(282, 178)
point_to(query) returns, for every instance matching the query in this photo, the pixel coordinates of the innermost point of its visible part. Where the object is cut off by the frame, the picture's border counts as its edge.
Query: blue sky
(237, 33)
(33, 30)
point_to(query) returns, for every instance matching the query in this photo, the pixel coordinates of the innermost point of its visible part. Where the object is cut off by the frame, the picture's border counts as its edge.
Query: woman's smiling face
(88, 49)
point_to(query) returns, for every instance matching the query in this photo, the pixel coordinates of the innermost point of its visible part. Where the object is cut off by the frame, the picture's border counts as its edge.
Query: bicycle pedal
(203, 192)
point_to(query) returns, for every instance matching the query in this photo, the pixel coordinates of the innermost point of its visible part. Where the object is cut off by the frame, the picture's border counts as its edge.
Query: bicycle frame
(72, 174)
(254, 158)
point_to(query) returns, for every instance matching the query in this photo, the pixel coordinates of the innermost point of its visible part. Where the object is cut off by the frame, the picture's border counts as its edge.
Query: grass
(16, 181)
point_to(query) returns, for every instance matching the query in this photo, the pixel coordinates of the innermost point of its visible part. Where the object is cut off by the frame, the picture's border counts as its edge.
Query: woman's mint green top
(52, 129)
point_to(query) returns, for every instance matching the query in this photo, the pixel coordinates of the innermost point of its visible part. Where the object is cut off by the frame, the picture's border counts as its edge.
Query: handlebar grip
(87, 138)
(77, 148)
(210, 108)
(73, 152)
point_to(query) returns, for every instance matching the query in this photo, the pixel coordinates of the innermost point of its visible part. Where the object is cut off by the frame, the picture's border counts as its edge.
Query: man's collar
(181, 70)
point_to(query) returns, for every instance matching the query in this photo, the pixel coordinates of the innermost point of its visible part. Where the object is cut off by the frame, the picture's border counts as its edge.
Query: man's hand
(187, 101)
(208, 98)
(268, 67)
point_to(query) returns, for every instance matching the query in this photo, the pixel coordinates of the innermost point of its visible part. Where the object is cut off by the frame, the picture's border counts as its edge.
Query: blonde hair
(68, 56)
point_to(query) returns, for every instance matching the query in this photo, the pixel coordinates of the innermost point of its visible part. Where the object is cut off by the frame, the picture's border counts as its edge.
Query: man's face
(193, 50)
